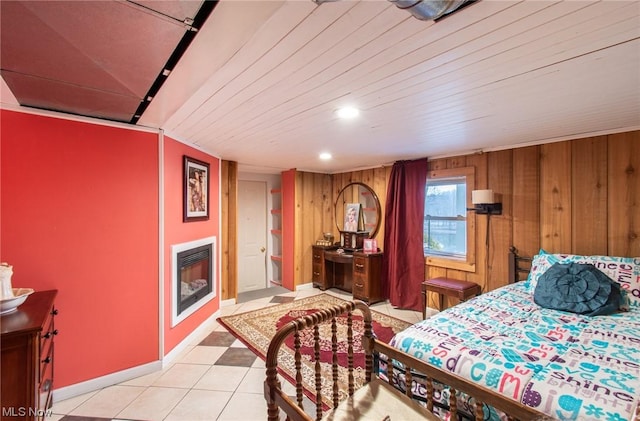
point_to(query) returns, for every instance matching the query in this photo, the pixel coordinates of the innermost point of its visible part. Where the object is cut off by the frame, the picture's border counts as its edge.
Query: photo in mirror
(353, 219)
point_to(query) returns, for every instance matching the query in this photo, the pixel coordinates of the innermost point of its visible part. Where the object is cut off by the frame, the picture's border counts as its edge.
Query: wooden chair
(377, 399)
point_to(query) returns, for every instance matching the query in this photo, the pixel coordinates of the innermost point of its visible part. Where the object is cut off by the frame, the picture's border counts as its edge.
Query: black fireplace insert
(194, 276)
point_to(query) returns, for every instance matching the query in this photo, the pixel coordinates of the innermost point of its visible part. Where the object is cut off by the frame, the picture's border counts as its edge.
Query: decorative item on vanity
(326, 241)
(10, 298)
(353, 240)
(370, 245)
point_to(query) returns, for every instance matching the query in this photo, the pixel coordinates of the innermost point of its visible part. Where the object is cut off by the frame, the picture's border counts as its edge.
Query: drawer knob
(49, 334)
(359, 266)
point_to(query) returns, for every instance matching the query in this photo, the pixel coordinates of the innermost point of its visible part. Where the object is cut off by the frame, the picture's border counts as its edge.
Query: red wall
(80, 214)
(176, 232)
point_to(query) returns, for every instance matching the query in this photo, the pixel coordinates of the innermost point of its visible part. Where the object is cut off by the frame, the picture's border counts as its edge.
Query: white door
(252, 235)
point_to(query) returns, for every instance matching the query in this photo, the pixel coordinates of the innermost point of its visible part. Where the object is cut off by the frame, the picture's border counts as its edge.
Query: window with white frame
(449, 238)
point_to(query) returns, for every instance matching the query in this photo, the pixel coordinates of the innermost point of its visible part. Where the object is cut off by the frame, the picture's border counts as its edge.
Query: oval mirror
(358, 209)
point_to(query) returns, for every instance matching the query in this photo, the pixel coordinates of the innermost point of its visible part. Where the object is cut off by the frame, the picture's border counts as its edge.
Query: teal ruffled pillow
(577, 288)
(625, 271)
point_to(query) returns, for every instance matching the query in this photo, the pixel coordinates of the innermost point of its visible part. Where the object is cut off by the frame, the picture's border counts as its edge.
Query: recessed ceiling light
(347, 112)
(325, 156)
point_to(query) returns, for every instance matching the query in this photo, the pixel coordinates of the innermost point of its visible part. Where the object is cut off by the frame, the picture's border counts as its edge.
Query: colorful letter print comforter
(568, 366)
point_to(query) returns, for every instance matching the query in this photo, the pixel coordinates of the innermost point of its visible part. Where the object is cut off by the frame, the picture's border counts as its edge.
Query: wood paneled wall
(316, 195)
(580, 196)
(312, 217)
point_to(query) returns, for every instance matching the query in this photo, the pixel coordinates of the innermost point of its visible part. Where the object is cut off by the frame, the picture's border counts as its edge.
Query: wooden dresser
(357, 272)
(27, 358)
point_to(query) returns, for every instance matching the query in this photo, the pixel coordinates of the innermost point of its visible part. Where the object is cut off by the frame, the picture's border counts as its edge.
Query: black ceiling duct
(429, 9)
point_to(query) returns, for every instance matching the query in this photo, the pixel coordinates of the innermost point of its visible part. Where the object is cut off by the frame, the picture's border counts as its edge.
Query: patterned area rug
(256, 328)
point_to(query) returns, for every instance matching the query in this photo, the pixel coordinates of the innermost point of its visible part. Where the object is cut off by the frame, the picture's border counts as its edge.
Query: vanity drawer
(317, 267)
(360, 265)
(317, 273)
(359, 288)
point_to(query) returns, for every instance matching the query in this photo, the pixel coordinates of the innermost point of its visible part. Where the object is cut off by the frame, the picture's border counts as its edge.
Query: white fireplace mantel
(178, 248)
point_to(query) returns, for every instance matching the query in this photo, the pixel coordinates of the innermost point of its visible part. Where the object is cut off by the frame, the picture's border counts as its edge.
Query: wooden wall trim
(229, 229)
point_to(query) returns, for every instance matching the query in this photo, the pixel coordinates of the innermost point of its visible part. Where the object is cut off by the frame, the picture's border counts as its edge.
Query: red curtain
(403, 262)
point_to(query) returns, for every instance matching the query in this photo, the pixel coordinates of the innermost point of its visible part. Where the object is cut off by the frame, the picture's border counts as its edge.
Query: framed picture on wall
(196, 190)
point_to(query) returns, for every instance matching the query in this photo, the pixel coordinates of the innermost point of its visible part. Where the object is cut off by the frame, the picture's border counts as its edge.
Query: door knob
(262, 249)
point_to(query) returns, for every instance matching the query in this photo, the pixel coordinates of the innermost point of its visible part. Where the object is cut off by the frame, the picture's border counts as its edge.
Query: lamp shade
(482, 197)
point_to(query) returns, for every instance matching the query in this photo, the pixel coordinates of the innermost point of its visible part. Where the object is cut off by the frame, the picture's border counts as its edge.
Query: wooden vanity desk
(355, 272)
(352, 270)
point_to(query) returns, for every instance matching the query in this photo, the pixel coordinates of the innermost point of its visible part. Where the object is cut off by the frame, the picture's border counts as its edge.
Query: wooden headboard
(518, 265)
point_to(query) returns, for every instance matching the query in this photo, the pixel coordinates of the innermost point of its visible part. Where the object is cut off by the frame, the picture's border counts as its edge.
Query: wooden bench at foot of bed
(377, 399)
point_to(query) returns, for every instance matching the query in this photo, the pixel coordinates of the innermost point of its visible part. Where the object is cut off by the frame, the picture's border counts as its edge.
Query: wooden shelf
(276, 237)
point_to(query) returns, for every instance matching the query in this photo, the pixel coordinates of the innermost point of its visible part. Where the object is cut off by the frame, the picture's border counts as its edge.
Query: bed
(567, 365)
(500, 355)
(378, 398)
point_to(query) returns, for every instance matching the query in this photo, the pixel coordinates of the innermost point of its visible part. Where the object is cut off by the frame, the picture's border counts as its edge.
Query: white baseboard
(105, 381)
(101, 382)
(177, 350)
(227, 303)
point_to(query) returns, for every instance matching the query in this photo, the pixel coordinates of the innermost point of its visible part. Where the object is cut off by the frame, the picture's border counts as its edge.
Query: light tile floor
(215, 378)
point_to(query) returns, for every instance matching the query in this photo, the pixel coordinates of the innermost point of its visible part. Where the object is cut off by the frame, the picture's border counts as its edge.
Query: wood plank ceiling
(261, 81)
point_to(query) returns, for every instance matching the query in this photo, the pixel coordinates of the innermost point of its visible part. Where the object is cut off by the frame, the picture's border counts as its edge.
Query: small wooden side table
(463, 290)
